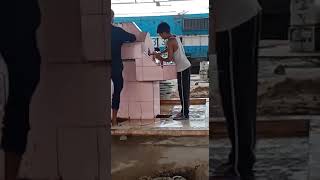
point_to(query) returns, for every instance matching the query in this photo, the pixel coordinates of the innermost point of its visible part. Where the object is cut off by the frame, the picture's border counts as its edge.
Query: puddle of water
(195, 111)
(169, 124)
(198, 115)
(125, 165)
(198, 123)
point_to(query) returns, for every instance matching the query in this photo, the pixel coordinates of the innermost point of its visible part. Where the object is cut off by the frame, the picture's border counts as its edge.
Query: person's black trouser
(117, 80)
(237, 65)
(184, 90)
(22, 57)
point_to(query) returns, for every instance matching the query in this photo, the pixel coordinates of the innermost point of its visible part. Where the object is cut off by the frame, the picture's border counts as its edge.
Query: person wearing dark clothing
(237, 30)
(118, 37)
(176, 53)
(18, 47)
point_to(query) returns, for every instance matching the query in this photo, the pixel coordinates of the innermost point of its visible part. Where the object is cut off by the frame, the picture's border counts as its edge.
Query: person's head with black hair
(164, 30)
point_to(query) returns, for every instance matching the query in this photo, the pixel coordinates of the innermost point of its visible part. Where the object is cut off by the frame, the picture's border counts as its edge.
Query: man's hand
(153, 53)
(158, 56)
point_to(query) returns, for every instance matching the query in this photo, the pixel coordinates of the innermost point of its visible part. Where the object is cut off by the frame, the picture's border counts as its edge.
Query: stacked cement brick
(140, 97)
(304, 32)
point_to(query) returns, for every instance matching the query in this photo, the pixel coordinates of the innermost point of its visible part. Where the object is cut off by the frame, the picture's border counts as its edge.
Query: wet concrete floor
(314, 149)
(277, 159)
(136, 157)
(197, 125)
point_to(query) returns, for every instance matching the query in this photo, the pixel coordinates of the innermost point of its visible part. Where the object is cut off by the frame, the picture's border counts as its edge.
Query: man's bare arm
(170, 50)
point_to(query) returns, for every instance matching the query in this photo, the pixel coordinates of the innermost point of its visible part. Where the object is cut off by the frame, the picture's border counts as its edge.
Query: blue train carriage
(191, 28)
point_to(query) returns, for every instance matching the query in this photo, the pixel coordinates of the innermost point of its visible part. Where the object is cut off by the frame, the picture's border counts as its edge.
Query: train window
(196, 24)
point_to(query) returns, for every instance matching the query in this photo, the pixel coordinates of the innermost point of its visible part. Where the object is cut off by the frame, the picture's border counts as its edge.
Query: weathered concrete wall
(69, 117)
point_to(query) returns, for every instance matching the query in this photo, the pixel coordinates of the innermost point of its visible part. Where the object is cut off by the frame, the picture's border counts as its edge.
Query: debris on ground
(291, 96)
(286, 97)
(163, 178)
(200, 92)
(197, 91)
(280, 70)
(185, 173)
(123, 138)
(291, 87)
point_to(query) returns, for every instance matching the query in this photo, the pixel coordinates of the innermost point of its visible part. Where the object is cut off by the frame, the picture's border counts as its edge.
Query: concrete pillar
(214, 93)
(70, 114)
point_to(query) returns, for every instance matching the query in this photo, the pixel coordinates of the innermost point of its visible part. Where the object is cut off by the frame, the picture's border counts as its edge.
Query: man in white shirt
(237, 29)
(177, 54)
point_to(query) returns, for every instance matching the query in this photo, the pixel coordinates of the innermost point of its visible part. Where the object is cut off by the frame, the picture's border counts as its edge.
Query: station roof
(134, 8)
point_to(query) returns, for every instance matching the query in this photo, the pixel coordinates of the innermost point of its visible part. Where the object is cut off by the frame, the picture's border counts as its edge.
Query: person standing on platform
(237, 29)
(118, 37)
(177, 54)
